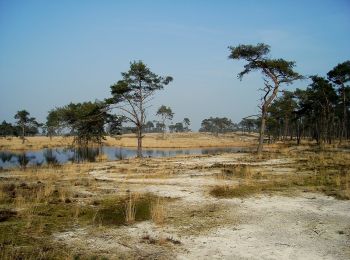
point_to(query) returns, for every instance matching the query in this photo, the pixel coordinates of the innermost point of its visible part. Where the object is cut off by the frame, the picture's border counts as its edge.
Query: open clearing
(229, 206)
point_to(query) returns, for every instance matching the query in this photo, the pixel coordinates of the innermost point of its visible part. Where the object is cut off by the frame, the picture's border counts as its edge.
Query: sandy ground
(301, 225)
(306, 227)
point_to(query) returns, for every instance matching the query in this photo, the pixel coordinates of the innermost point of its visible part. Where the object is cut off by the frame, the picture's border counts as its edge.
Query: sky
(56, 52)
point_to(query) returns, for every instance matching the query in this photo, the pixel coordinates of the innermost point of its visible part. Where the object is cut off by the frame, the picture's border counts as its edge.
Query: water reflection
(85, 154)
(149, 153)
(50, 157)
(5, 156)
(23, 159)
(119, 155)
(60, 156)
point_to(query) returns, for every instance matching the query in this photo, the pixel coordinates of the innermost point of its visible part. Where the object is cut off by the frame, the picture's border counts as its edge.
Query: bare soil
(287, 224)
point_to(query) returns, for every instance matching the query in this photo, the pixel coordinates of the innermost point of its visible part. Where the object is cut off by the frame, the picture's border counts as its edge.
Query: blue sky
(55, 52)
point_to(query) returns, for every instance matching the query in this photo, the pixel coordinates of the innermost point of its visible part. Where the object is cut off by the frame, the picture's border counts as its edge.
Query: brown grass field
(173, 140)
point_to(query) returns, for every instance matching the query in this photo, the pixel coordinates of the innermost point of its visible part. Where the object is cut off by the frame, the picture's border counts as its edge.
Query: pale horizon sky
(56, 52)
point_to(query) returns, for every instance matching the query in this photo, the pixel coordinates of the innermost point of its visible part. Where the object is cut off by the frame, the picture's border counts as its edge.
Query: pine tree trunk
(285, 130)
(262, 130)
(344, 132)
(139, 143)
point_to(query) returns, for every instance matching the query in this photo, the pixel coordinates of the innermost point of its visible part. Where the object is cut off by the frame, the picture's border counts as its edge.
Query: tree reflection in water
(23, 160)
(84, 154)
(61, 156)
(50, 157)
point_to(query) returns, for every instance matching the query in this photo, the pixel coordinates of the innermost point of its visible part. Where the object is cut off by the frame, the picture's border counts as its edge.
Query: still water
(59, 156)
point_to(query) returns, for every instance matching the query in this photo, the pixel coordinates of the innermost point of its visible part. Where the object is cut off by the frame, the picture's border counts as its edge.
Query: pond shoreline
(60, 156)
(20, 150)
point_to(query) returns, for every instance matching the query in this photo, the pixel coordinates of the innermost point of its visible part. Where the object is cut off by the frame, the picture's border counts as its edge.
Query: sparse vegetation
(324, 172)
(64, 194)
(37, 204)
(47, 200)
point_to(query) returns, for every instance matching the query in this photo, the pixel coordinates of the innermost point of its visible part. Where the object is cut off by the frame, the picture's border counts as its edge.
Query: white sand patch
(278, 228)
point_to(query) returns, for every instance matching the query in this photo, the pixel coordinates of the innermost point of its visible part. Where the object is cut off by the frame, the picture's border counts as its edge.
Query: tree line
(25, 126)
(319, 112)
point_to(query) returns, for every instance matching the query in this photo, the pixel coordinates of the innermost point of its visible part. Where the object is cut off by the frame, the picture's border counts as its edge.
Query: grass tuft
(158, 211)
(130, 209)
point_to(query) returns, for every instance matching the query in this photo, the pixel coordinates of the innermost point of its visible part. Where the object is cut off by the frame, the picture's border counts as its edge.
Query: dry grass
(158, 211)
(130, 209)
(184, 140)
(327, 172)
(161, 240)
(41, 201)
(239, 191)
(3, 194)
(237, 171)
(34, 203)
(43, 251)
(152, 140)
(34, 142)
(102, 158)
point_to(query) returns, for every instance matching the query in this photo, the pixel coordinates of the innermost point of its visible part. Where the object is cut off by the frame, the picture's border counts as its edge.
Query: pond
(59, 156)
